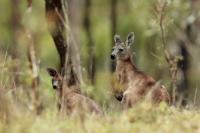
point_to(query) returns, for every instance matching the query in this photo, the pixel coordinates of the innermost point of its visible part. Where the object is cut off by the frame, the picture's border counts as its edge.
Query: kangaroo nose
(119, 96)
(54, 86)
(112, 57)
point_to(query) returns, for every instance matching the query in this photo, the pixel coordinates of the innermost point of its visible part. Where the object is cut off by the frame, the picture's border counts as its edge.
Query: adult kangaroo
(70, 101)
(135, 84)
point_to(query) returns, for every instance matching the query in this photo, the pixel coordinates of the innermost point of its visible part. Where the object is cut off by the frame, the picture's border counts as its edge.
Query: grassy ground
(144, 118)
(17, 114)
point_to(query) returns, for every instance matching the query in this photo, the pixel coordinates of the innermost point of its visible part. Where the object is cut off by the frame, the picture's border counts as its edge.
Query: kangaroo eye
(121, 49)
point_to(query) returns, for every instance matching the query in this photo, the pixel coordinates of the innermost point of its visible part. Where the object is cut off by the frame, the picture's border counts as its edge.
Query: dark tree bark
(183, 66)
(54, 12)
(29, 3)
(91, 50)
(113, 17)
(57, 18)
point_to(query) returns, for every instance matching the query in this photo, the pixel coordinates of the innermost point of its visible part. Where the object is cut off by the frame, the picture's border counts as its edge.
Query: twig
(170, 59)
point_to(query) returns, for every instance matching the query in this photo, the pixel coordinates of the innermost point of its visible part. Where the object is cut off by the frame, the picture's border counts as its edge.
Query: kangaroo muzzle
(55, 84)
(113, 54)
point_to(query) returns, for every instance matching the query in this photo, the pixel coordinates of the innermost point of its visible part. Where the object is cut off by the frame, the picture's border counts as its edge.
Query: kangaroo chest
(124, 75)
(129, 78)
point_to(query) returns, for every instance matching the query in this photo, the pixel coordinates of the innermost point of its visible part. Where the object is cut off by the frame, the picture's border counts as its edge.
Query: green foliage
(138, 16)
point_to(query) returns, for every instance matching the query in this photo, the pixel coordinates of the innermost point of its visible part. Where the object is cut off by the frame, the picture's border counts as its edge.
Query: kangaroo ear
(117, 39)
(130, 38)
(52, 72)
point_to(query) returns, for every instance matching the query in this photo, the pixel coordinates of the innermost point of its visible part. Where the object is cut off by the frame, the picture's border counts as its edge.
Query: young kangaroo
(72, 102)
(135, 84)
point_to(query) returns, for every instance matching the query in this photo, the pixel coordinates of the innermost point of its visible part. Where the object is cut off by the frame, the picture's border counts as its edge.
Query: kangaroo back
(75, 103)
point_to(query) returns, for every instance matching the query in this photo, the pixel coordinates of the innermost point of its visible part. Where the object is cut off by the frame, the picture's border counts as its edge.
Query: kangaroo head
(121, 49)
(56, 78)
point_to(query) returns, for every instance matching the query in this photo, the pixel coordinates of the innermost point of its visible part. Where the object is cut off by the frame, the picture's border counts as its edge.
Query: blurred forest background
(93, 23)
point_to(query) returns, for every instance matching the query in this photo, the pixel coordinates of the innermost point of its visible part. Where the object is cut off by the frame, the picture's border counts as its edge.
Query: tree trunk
(33, 63)
(74, 13)
(29, 3)
(58, 24)
(74, 22)
(191, 33)
(15, 25)
(183, 67)
(91, 50)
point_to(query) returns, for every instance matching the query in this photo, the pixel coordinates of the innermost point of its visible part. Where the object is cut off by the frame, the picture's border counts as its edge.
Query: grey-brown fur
(136, 85)
(72, 102)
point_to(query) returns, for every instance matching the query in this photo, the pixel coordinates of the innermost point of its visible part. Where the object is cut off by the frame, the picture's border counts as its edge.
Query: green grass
(142, 118)
(17, 114)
